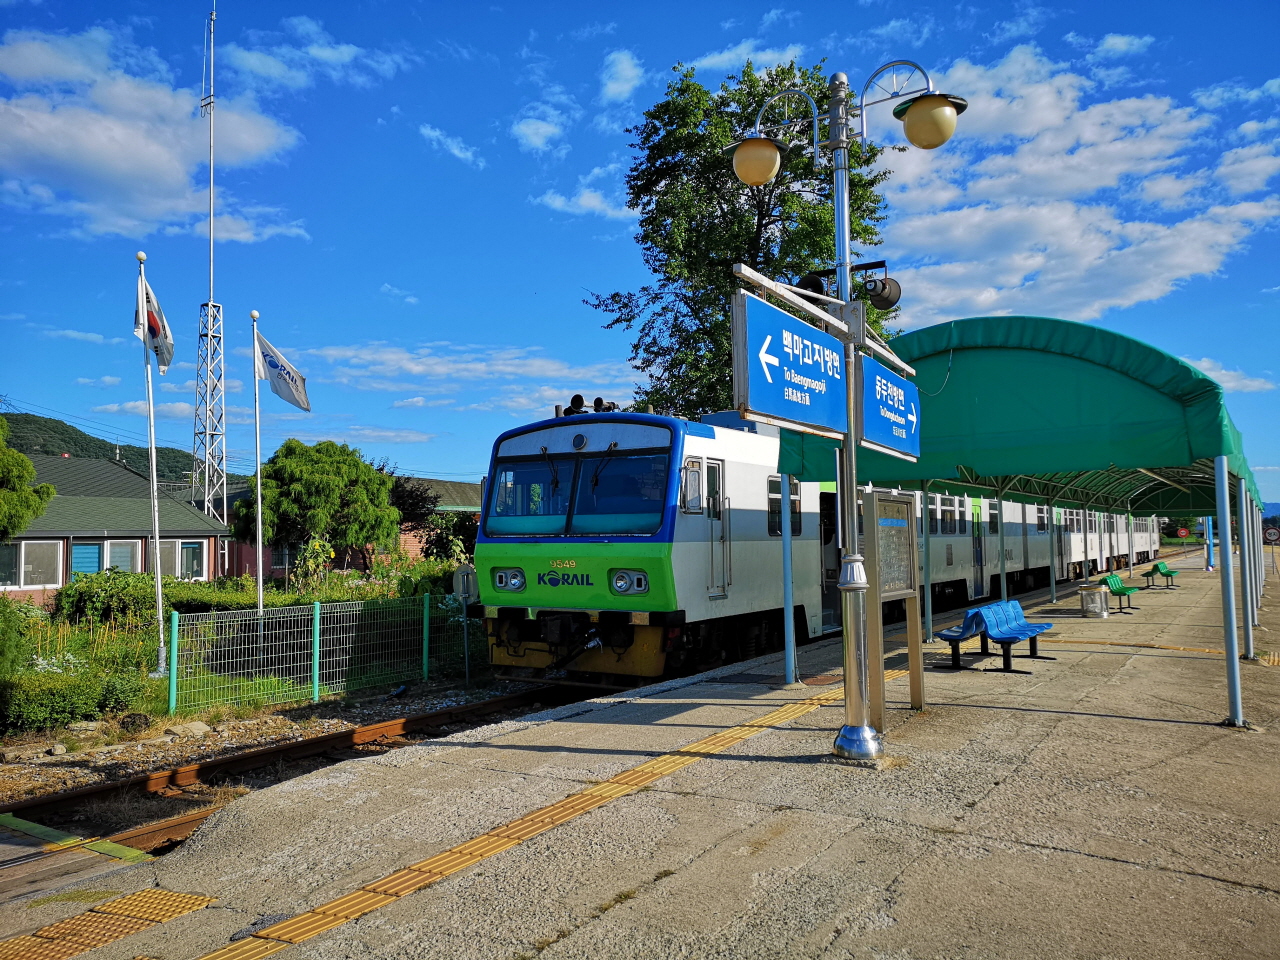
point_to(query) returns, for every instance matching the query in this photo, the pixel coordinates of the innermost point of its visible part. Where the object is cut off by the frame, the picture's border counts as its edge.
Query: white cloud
(1047, 204)
(386, 435)
(451, 145)
(1115, 45)
(1233, 381)
(82, 335)
(593, 30)
(1252, 129)
(1027, 23)
(228, 386)
(536, 134)
(304, 52)
(97, 133)
(621, 74)
(586, 200)
(165, 411)
(901, 31)
(1232, 91)
(778, 15)
(99, 382)
(732, 58)
(397, 293)
(1247, 169)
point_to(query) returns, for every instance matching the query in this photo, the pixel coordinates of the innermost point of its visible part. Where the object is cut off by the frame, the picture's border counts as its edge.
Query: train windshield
(600, 495)
(530, 497)
(619, 494)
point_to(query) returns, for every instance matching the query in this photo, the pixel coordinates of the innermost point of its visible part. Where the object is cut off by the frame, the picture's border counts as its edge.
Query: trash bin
(1094, 601)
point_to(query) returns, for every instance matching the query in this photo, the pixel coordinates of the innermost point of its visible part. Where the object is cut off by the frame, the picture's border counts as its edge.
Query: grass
(74, 896)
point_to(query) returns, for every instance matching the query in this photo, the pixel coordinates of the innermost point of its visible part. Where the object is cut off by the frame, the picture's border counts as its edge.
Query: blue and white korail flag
(286, 382)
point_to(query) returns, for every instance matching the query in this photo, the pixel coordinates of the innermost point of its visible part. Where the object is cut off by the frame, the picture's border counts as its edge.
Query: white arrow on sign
(767, 358)
(912, 417)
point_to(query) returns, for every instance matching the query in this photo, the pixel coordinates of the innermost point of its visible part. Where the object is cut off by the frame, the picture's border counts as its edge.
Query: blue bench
(1004, 623)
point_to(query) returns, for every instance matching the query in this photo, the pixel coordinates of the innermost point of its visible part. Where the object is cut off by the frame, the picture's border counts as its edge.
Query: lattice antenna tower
(209, 450)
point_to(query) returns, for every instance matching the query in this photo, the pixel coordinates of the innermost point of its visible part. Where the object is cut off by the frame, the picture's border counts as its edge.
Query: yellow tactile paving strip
(403, 882)
(105, 923)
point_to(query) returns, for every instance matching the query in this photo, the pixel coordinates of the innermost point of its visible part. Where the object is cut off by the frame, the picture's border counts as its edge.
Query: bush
(15, 638)
(37, 701)
(120, 692)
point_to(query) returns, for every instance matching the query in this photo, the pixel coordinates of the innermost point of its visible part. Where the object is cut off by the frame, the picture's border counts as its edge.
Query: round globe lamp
(756, 161)
(930, 120)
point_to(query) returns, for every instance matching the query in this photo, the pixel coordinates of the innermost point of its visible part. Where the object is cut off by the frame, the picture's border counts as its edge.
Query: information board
(890, 411)
(895, 548)
(786, 370)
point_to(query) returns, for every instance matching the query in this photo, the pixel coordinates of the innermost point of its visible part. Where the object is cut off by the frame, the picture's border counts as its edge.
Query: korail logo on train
(554, 578)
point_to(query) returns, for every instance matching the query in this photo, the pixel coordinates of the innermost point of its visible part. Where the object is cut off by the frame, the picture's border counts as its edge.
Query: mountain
(29, 433)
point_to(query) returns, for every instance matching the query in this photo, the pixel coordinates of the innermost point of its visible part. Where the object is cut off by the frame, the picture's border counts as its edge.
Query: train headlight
(511, 578)
(630, 581)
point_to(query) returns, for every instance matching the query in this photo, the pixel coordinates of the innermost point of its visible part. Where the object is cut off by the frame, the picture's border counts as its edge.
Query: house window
(775, 507)
(30, 564)
(283, 556)
(123, 555)
(180, 558)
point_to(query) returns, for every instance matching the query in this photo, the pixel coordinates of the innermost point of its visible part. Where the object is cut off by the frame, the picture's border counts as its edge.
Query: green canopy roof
(1038, 408)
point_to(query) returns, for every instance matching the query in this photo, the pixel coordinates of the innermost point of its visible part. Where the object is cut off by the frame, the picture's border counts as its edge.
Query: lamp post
(929, 119)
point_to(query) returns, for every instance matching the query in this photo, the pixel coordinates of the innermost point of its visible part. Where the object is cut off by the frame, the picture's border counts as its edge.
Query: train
(625, 547)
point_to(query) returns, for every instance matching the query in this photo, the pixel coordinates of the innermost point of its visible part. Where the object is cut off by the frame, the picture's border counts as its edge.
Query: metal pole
(426, 637)
(857, 739)
(788, 597)
(1208, 544)
(257, 459)
(162, 662)
(1004, 585)
(315, 652)
(173, 662)
(1128, 517)
(925, 516)
(1246, 565)
(1235, 717)
(1053, 554)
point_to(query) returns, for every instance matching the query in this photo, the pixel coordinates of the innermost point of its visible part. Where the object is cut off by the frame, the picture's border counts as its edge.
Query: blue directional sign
(784, 368)
(890, 411)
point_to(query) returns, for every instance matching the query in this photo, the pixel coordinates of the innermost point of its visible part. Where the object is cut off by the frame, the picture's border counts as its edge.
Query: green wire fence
(295, 654)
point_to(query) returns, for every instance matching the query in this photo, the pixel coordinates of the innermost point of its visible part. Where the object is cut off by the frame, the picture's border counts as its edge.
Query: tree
(412, 497)
(697, 220)
(449, 536)
(20, 500)
(324, 492)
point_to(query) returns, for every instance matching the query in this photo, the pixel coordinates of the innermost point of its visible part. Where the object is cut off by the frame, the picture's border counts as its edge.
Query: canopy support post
(1084, 535)
(1053, 553)
(1235, 716)
(1004, 579)
(1208, 544)
(1246, 564)
(926, 515)
(1132, 553)
(788, 596)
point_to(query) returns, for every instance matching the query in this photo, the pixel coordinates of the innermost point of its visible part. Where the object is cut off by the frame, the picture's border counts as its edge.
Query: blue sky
(417, 197)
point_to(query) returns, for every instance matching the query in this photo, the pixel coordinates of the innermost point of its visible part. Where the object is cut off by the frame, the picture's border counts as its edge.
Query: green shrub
(37, 701)
(120, 692)
(15, 640)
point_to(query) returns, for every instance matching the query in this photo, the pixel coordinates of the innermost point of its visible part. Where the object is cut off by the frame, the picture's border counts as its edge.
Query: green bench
(1113, 583)
(1161, 570)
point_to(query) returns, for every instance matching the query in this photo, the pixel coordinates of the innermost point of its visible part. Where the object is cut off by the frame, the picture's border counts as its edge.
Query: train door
(717, 541)
(979, 554)
(1063, 540)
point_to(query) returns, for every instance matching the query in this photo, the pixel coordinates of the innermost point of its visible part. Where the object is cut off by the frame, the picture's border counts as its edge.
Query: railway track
(34, 868)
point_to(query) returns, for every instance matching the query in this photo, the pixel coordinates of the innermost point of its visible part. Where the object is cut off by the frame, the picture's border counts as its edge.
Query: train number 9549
(564, 563)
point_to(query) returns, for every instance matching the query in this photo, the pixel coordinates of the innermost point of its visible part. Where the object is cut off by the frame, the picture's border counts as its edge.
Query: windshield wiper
(555, 474)
(604, 461)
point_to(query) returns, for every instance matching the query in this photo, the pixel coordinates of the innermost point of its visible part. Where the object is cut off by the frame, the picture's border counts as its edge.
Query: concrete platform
(1094, 809)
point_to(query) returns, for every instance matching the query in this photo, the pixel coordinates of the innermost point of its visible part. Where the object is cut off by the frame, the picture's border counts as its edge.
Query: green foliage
(15, 641)
(1170, 527)
(38, 701)
(312, 562)
(697, 220)
(322, 492)
(52, 438)
(21, 499)
(450, 537)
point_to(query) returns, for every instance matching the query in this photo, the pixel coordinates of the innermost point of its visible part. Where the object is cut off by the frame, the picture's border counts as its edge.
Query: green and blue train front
(574, 551)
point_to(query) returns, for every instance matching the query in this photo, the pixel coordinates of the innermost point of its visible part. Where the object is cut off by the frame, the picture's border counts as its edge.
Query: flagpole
(257, 455)
(162, 660)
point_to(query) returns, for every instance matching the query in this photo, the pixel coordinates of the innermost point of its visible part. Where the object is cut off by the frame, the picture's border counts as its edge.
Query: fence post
(426, 637)
(315, 652)
(173, 662)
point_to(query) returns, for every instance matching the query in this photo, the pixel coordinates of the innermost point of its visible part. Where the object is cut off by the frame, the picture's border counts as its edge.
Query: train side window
(950, 556)
(933, 516)
(775, 507)
(713, 490)
(691, 487)
(993, 520)
(1042, 519)
(948, 523)
(1093, 522)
